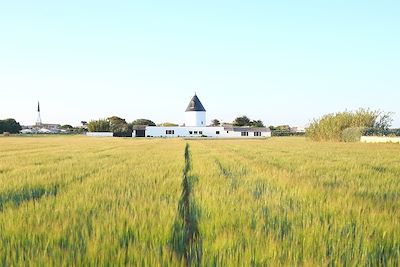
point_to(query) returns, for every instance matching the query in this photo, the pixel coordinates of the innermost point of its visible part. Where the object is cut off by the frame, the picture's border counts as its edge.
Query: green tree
(282, 128)
(118, 125)
(215, 123)
(256, 123)
(10, 125)
(168, 124)
(79, 130)
(146, 122)
(67, 127)
(245, 121)
(241, 121)
(384, 122)
(100, 125)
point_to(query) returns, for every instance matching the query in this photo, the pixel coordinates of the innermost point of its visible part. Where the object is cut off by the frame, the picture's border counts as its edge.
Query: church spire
(39, 119)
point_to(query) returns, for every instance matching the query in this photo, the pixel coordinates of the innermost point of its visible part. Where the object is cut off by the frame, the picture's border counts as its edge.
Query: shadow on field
(230, 174)
(25, 194)
(186, 240)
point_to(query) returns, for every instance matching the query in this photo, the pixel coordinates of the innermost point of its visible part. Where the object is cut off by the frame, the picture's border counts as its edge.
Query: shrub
(286, 133)
(330, 127)
(99, 126)
(352, 134)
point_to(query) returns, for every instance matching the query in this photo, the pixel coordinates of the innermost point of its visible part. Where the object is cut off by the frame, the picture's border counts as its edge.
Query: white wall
(232, 134)
(195, 118)
(155, 131)
(99, 134)
(379, 139)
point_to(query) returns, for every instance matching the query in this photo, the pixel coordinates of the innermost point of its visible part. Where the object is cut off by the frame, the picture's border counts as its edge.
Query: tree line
(117, 125)
(242, 121)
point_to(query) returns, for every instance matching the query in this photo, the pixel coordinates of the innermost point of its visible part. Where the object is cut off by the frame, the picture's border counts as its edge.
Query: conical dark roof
(195, 105)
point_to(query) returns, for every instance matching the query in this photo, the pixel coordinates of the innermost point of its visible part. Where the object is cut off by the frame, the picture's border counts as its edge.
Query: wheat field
(79, 201)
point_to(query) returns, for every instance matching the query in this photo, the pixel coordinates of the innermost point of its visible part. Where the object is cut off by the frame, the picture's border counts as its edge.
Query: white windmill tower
(195, 113)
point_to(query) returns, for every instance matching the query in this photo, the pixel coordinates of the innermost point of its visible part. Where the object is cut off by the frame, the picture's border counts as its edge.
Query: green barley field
(80, 201)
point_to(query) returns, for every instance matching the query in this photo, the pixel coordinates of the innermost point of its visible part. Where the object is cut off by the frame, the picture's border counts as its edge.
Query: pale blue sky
(284, 62)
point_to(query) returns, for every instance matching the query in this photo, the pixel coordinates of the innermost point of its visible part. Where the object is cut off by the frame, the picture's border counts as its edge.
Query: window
(195, 132)
(257, 133)
(190, 132)
(217, 132)
(200, 132)
(169, 132)
(245, 133)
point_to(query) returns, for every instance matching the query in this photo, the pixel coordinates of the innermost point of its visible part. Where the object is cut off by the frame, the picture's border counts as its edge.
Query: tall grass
(330, 127)
(76, 201)
(298, 203)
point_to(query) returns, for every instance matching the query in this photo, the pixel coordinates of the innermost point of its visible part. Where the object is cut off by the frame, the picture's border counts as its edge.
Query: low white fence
(379, 139)
(99, 134)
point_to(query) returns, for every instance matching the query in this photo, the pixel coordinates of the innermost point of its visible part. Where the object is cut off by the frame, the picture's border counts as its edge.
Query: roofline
(247, 129)
(197, 105)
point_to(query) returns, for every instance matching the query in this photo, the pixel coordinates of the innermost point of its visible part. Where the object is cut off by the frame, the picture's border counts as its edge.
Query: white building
(195, 126)
(298, 129)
